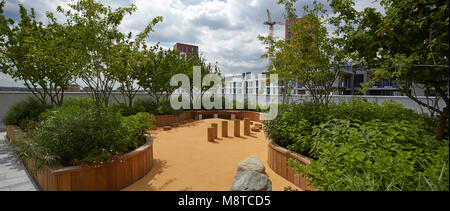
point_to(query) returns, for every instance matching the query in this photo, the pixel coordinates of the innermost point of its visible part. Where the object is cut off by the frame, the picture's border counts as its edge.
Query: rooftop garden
(360, 145)
(353, 145)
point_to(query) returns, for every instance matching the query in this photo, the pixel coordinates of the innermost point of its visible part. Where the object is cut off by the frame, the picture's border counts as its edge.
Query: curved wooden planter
(278, 158)
(167, 120)
(109, 177)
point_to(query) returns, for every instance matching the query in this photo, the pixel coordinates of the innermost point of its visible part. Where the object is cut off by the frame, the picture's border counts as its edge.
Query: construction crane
(271, 24)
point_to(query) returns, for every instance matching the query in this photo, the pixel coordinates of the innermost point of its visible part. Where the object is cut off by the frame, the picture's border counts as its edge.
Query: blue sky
(225, 30)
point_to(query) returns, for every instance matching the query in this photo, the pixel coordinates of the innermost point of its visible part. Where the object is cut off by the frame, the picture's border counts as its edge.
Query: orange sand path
(184, 160)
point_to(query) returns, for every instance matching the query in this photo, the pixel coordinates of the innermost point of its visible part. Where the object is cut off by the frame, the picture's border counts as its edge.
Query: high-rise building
(288, 28)
(187, 50)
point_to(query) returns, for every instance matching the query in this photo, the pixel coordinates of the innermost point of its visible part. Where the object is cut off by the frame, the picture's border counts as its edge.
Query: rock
(252, 163)
(251, 181)
(167, 128)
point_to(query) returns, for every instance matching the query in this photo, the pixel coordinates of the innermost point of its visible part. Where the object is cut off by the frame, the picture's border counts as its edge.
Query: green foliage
(39, 55)
(24, 113)
(157, 68)
(150, 106)
(164, 108)
(130, 58)
(293, 126)
(309, 56)
(79, 102)
(72, 135)
(409, 43)
(362, 146)
(376, 156)
(125, 110)
(146, 105)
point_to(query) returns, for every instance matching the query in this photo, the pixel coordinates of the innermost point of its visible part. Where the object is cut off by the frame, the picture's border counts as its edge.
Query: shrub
(291, 127)
(376, 155)
(125, 110)
(164, 108)
(72, 135)
(25, 113)
(290, 131)
(147, 105)
(79, 102)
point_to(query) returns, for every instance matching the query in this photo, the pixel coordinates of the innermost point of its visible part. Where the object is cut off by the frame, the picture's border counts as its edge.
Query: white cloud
(225, 31)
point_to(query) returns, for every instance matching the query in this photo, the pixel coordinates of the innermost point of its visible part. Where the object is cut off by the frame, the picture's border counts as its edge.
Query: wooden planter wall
(109, 177)
(278, 158)
(167, 120)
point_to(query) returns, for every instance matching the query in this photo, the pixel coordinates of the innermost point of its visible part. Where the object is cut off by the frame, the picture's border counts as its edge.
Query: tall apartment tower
(288, 33)
(188, 50)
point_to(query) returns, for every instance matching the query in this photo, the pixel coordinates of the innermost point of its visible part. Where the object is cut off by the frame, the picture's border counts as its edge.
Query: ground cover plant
(360, 145)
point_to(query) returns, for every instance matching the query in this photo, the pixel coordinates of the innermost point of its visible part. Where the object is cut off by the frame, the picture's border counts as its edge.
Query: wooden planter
(168, 120)
(278, 158)
(112, 176)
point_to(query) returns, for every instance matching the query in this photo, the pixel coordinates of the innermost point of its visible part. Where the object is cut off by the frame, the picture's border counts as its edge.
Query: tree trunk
(440, 131)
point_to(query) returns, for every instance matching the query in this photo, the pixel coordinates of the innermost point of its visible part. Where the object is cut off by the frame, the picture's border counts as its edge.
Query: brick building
(186, 49)
(288, 34)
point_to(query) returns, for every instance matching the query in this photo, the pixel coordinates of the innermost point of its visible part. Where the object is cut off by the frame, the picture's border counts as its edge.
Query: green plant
(148, 105)
(125, 110)
(25, 113)
(409, 44)
(376, 155)
(293, 126)
(73, 135)
(164, 108)
(79, 102)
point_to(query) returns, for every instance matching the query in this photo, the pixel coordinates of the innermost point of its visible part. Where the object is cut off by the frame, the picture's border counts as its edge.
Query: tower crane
(271, 23)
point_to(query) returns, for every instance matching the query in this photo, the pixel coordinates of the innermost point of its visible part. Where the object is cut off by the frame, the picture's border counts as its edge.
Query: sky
(225, 30)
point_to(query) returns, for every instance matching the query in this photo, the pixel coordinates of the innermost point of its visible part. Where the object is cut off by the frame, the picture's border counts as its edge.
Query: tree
(157, 68)
(311, 58)
(410, 44)
(130, 55)
(101, 46)
(205, 69)
(39, 55)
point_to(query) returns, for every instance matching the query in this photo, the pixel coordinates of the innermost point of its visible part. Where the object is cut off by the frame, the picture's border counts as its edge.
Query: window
(358, 80)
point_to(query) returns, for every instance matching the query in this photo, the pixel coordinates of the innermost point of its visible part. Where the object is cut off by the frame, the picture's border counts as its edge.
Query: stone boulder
(251, 181)
(252, 163)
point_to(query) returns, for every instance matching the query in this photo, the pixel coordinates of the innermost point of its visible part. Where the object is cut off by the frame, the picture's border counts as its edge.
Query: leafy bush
(25, 113)
(291, 127)
(72, 135)
(125, 110)
(363, 146)
(164, 108)
(147, 105)
(79, 102)
(376, 155)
